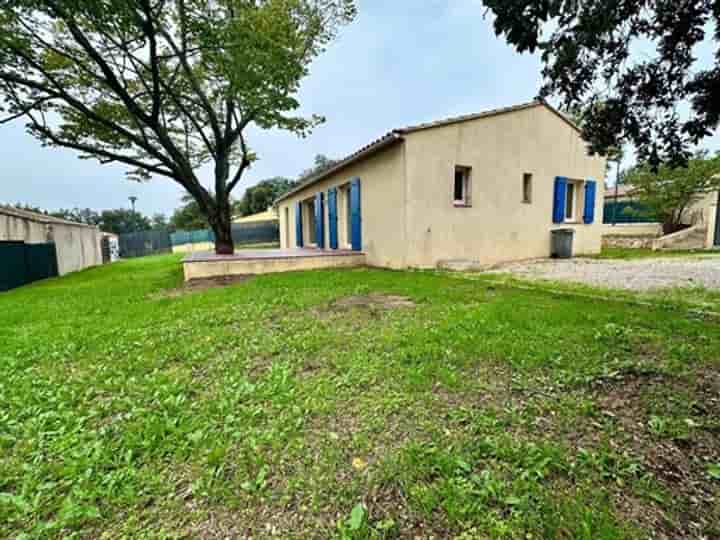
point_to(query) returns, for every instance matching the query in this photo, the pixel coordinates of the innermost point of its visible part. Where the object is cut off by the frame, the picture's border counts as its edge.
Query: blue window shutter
(590, 193)
(319, 220)
(559, 199)
(356, 214)
(298, 225)
(333, 217)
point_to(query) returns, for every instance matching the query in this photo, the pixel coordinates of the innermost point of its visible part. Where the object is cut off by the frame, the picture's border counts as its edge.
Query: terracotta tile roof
(396, 135)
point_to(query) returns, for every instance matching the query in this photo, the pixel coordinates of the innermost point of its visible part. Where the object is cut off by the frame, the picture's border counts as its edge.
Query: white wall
(77, 246)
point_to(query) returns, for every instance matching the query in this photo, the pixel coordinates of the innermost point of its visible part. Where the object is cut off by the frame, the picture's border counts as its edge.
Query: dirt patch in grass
(199, 285)
(374, 303)
(677, 440)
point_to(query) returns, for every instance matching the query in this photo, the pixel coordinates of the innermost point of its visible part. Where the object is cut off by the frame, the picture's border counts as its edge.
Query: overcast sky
(399, 63)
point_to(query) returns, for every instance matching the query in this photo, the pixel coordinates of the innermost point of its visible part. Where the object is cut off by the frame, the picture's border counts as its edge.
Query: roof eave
(388, 140)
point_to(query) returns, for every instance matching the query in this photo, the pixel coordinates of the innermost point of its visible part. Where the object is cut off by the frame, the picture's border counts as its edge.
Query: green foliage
(118, 221)
(188, 217)
(590, 54)
(123, 221)
(670, 191)
(164, 87)
(159, 222)
(262, 195)
(321, 164)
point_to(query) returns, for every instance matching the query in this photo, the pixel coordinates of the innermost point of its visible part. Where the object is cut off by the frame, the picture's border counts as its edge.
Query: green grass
(129, 409)
(620, 253)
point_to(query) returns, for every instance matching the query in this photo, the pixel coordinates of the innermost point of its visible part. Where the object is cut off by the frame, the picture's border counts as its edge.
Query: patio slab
(203, 265)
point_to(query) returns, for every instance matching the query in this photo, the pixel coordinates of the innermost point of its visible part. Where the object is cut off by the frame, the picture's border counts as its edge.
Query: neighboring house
(480, 189)
(77, 245)
(625, 209)
(268, 215)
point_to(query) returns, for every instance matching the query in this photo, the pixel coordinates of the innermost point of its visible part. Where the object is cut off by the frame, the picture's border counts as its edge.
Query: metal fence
(144, 243)
(25, 263)
(627, 212)
(260, 232)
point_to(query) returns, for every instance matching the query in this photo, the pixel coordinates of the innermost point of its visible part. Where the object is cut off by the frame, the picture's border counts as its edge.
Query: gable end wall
(498, 226)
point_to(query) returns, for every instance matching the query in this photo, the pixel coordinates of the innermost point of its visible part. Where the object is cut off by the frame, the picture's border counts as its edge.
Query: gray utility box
(562, 243)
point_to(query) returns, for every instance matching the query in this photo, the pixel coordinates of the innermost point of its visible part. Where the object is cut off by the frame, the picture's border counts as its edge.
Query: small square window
(527, 188)
(462, 187)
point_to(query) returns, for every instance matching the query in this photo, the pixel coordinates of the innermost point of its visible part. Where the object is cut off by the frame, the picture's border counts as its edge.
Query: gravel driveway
(639, 275)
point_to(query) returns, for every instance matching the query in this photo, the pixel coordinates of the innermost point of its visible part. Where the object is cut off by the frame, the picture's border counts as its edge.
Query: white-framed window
(570, 202)
(462, 186)
(573, 201)
(527, 188)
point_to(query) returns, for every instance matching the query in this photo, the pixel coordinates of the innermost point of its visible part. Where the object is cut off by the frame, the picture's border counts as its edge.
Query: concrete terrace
(204, 265)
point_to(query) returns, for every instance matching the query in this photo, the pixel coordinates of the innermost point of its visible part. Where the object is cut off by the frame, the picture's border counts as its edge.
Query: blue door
(319, 221)
(356, 215)
(333, 218)
(298, 225)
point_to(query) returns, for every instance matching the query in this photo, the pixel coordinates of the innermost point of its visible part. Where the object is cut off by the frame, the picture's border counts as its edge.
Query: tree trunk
(221, 224)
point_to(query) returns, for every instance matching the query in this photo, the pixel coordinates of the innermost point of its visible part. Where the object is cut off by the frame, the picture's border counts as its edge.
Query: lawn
(351, 404)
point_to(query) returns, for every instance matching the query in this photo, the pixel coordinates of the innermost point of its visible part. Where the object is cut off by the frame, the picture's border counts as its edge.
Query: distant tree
(123, 221)
(262, 195)
(163, 86)
(84, 215)
(29, 208)
(588, 51)
(322, 164)
(670, 191)
(189, 216)
(159, 222)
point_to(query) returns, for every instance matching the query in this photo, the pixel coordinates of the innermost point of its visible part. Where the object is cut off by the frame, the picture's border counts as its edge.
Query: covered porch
(205, 265)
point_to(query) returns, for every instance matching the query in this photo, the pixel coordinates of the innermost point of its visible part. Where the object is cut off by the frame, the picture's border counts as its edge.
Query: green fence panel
(41, 261)
(12, 266)
(140, 244)
(627, 212)
(22, 263)
(259, 232)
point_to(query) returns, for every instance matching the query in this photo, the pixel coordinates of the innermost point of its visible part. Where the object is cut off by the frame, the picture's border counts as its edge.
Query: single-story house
(477, 189)
(78, 245)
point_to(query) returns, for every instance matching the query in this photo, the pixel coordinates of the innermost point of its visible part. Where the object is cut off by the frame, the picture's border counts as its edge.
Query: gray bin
(562, 243)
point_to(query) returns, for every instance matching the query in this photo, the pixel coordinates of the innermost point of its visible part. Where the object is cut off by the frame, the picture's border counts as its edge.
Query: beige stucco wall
(408, 215)
(498, 226)
(382, 200)
(77, 247)
(712, 213)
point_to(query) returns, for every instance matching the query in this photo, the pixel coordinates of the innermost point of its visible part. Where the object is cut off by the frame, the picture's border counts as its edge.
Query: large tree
(632, 61)
(163, 86)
